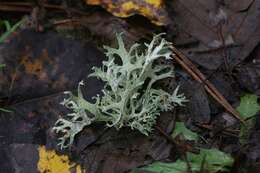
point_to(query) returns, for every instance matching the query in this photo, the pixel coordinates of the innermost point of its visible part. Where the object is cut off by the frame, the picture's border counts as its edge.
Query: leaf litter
(221, 39)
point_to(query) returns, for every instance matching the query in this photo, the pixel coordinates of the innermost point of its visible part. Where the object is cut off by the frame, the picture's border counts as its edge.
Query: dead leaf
(41, 160)
(198, 105)
(224, 32)
(52, 65)
(249, 74)
(152, 9)
(32, 119)
(105, 25)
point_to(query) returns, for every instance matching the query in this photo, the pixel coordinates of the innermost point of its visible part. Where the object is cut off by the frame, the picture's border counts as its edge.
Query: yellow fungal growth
(129, 5)
(152, 9)
(51, 162)
(155, 3)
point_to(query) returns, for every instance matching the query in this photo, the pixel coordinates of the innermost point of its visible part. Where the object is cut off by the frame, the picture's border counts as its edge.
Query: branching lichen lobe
(129, 97)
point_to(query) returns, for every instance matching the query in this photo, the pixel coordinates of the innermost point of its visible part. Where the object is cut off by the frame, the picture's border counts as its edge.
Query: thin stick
(27, 7)
(210, 88)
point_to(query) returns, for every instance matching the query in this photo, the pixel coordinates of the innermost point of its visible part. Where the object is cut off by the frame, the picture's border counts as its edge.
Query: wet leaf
(105, 26)
(53, 65)
(198, 105)
(249, 73)
(152, 9)
(248, 106)
(181, 129)
(2, 109)
(219, 31)
(124, 150)
(34, 115)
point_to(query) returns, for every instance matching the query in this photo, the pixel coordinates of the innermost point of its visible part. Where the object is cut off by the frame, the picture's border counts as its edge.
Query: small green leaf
(9, 29)
(181, 129)
(7, 25)
(248, 106)
(2, 66)
(160, 167)
(214, 161)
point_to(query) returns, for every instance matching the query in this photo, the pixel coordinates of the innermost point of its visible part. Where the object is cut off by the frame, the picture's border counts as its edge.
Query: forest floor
(49, 46)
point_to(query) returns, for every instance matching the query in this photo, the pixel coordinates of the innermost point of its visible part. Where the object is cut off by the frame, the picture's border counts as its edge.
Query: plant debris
(49, 46)
(152, 9)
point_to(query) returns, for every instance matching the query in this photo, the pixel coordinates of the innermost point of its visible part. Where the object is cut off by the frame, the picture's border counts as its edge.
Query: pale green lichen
(129, 97)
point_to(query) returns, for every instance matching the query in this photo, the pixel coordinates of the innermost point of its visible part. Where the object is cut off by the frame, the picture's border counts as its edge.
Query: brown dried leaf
(222, 32)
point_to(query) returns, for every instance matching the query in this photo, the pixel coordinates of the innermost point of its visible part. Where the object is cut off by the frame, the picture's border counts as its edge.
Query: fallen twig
(210, 88)
(27, 7)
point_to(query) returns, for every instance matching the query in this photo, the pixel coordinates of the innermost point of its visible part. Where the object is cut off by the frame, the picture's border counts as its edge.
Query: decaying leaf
(46, 65)
(105, 25)
(152, 9)
(213, 27)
